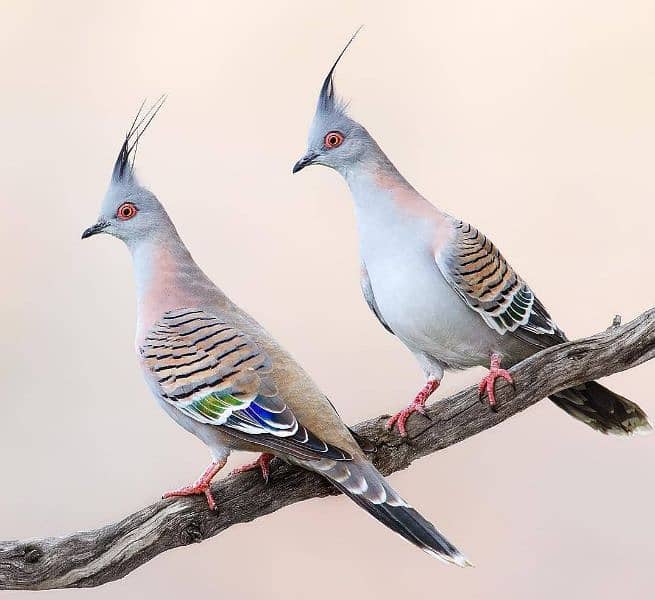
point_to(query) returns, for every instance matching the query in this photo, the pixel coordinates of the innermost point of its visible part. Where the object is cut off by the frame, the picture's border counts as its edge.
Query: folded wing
(215, 374)
(479, 273)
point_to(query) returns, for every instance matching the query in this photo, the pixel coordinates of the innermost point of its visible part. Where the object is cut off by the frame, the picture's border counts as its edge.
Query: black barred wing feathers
(215, 374)
(479, 273)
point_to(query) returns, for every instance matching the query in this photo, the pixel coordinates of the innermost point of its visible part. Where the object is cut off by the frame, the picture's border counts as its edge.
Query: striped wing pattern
(479, 273)
(215, 374)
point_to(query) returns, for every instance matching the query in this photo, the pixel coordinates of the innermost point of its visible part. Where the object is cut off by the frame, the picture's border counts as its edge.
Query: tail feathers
(603, 410)
(361, 482)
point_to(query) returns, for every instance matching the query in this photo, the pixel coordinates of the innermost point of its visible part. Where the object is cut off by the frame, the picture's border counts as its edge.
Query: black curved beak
(305, 161)
(99, 227)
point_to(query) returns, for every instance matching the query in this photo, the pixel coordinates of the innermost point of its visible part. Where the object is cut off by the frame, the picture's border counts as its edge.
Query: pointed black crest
(124, 166)
(326, 100)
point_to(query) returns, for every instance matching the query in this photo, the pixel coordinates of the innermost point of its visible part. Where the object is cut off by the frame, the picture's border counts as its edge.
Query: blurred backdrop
(533, 120)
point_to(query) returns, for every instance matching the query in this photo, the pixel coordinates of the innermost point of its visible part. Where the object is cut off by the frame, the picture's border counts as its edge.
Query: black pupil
(333, 140)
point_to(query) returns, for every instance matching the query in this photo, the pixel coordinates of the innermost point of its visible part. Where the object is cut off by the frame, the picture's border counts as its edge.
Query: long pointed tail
(602, 409)
(361, 482)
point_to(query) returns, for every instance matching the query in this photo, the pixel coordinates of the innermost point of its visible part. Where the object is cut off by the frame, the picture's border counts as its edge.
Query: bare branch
(92, 558)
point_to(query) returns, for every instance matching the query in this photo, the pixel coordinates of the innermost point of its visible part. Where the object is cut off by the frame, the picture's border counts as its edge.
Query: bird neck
(386, 205)
(166, 278)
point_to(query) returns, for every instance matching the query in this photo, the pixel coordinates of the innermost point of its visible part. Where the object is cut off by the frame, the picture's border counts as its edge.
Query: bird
(220, 376)
(439, 284)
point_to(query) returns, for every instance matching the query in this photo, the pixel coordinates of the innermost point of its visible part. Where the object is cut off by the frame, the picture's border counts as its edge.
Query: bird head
(130, 211)
(335, 140)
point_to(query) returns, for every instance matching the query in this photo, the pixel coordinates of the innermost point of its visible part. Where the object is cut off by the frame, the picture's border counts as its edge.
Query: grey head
(130, 211)
(335, 140)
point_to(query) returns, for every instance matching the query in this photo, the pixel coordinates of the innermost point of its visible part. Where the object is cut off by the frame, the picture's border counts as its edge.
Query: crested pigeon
(437, 283)
(222, 377)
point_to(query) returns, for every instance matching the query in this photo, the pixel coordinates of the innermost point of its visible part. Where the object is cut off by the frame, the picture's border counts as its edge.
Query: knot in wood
(191, 534)
(32, 554)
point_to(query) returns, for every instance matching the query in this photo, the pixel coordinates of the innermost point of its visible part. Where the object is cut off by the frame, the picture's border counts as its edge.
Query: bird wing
(479, 273)
(367, 290)
(215, 374)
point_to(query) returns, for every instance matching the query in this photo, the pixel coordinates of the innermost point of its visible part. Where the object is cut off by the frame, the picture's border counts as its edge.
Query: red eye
(126, 211)
(333, 139)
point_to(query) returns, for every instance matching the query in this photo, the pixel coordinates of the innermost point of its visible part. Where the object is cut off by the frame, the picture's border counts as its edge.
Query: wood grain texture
(92, 558)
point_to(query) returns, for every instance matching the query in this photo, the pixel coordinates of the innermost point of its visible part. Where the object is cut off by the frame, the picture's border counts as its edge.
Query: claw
(193, 490)
(417, 405)
(262, 463)
(202, 486)
(488, 382)
(400, 418)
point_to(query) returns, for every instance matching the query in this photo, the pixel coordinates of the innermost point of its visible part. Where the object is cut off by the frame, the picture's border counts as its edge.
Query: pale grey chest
(421, 308)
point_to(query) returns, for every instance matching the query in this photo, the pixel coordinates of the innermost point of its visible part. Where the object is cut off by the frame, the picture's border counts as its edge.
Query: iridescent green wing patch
(214, 373)
(213, 409)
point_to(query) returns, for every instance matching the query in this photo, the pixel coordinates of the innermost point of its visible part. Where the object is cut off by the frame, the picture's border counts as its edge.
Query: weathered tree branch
(92, 558)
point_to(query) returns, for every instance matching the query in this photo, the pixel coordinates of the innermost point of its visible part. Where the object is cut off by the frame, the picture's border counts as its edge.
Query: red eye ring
(334, 139)
(126, 211)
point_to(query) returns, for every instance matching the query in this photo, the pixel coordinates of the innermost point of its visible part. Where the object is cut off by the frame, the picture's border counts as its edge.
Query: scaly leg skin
(489, 381)
(201, 486)
(262, 463)
(417, 405)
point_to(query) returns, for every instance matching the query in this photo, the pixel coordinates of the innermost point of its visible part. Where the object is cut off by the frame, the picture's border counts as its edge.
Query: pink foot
(202, 486)
(417, 405)
(488, 382)
(261, 463)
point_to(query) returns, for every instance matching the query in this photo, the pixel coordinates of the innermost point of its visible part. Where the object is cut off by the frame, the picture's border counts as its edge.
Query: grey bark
(92, 558)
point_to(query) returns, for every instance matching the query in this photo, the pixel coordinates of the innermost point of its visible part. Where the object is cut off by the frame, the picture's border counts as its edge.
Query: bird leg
(261, 463)
(489, 380)
(417, 405)
(202, 485)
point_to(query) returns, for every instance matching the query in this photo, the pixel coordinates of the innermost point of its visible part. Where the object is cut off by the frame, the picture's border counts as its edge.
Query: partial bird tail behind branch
(603, 409)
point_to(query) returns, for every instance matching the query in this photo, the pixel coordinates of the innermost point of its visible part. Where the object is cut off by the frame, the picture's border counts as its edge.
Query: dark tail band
(603, 410)
(361, 482)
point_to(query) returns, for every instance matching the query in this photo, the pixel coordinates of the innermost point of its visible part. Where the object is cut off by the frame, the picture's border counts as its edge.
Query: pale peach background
(533, 120)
